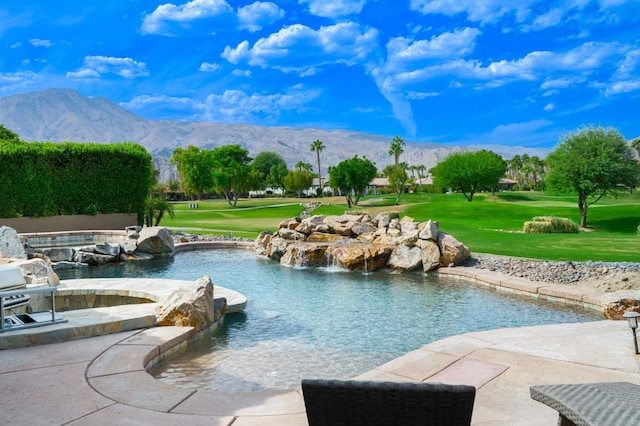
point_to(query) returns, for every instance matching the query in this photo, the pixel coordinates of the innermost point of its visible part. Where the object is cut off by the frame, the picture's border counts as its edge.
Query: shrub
(550, 225)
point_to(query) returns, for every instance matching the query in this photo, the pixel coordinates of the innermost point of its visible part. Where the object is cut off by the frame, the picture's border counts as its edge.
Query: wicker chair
(337, 402)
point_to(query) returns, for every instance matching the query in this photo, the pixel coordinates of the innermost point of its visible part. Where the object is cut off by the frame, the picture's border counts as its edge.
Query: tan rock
(361, 257)
(323, 237)
(429, 231)
(277, 247)
(291, 234)
(37, 271)
(430, 255)
(191, 307)
(310, 224)
(154, 240)
(453, 252)
(405, 258)
(363, 228)
(305, 254)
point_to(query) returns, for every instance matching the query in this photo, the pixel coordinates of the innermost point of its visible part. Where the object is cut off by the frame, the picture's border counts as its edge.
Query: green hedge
(550, 225)
(49, 179)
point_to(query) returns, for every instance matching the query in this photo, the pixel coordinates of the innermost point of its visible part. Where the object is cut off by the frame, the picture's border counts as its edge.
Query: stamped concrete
(102, 380)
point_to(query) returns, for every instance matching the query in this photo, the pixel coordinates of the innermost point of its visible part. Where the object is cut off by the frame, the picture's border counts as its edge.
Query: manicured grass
(486, 225)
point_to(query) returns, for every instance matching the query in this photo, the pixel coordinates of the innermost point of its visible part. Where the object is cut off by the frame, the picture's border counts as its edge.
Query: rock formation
(360, 241)
(192, 307)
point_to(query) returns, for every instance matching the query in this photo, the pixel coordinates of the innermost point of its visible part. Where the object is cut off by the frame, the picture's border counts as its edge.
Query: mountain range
(64, 115)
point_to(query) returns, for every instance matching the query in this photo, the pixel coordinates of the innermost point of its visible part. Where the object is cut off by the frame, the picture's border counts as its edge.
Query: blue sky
(513, 72)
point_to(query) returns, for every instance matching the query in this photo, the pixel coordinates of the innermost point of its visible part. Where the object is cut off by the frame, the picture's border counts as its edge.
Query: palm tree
(317, 146)
(396, 148)
(302, 166)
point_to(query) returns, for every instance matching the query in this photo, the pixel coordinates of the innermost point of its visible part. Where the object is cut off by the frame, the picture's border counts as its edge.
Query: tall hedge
(49, 179)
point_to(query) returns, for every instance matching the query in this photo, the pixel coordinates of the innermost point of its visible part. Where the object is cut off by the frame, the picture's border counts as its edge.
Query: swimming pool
(322, 322)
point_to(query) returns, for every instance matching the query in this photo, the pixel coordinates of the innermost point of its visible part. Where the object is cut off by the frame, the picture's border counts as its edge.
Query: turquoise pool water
(322, 322)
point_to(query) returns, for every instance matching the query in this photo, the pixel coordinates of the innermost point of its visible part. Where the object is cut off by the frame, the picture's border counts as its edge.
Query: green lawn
(486, 225)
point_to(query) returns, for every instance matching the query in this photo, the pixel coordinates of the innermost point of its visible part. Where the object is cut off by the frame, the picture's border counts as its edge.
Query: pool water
(323, 323)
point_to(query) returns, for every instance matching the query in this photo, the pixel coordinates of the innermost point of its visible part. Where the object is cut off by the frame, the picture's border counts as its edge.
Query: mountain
(60, 115)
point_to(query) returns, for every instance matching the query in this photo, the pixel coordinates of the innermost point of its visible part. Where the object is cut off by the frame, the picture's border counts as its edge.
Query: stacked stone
(362, 242)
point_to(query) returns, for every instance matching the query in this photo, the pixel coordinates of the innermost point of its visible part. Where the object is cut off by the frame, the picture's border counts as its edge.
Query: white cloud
(258, 15)
(161, 19)
(85, 73)
(301, 49)
(40, 43)
(241, 73)
(482, 11)
(231, 106)
(408, 60)
(11, 82)
(166, 106)
(562, 82)
(619, 87)
(95, 66)
(410, 70)
(208, 16)
(334, 8)
(209, 67)
(237, 106)
(524, 133)
(549, 107)
(446, 45)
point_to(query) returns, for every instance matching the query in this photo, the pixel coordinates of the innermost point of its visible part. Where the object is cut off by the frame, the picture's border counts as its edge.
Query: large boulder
(277, 247)
(359, 257)
(92, 258)
(155, 240)
(452, 251)
(11, 246)
(430, 255)
(305, 254)
(428, 230)
(108, 249)
(405, 258)
(59, 254)
(37, 271)
(190, 307)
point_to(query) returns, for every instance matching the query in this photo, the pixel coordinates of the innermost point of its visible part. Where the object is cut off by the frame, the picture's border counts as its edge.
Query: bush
(550, 225)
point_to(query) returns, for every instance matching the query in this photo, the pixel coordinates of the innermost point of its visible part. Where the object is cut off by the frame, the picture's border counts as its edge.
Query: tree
(297, 181)
(469, 172)
(276, 176)
(396, 148)
(264, 162)
(155, 208)
(397, 177)
(302, 166)
(231, 171)
(7, 135)
(352, 177)
(594, 162)
(317, 146)
(195, 166)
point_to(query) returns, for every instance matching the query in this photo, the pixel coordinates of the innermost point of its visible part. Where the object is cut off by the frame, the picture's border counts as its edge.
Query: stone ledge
(553, 292)
(119, 374)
